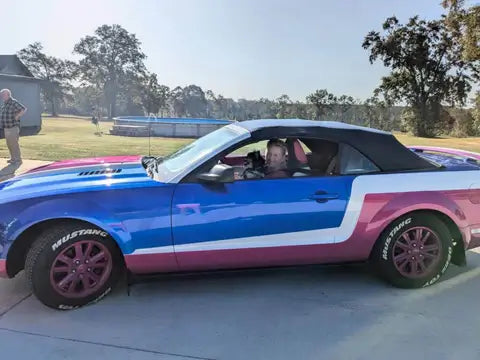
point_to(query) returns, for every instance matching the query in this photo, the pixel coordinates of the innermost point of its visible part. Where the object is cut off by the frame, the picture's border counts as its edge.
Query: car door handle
(322, 196)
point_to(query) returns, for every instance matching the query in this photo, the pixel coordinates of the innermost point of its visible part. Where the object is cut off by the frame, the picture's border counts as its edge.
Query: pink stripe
(87, 161)
(244, 258)
(150, 263)
(3, 268)
(274, 256)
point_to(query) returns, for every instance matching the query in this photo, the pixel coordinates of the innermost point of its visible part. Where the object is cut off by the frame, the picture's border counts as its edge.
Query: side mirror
(220, 173)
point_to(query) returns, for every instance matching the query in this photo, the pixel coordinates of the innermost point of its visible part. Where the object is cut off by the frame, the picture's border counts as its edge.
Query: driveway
(7, 170)
(318, 312)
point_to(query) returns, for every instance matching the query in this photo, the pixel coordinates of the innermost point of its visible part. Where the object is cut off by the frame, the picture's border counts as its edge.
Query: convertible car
(352, 194)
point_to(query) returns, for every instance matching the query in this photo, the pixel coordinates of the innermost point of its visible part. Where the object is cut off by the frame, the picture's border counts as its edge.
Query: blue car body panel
(257, 207)
(256, 213)
(130, 206)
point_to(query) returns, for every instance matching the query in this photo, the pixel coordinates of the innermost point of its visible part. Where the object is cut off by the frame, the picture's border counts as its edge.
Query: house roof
(11, 65)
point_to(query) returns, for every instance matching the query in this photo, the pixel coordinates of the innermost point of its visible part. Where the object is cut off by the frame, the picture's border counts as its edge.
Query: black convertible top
(380, 146)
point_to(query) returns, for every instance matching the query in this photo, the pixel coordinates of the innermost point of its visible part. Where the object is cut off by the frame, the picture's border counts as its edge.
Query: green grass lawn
(70, 137)
(67, 138)
(470, 143)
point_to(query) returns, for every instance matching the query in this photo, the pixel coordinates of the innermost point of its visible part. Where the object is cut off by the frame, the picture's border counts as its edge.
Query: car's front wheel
(414, 251)
(72, 265)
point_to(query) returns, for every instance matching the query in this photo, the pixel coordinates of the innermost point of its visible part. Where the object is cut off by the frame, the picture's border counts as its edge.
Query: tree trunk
(113, 110)
(420, 119)
(110, 93)
(54, 108)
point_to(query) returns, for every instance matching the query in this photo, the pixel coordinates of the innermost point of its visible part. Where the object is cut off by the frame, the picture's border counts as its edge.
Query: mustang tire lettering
(76, 233)
(445, 267)
(392, 234)
(449, 257)
(71, 307)
(105, 293)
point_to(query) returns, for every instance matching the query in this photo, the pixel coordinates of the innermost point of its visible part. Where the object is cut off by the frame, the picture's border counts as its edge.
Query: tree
(300, 110)
(178, 101)
(322, 101)
(195, 101)
(110, 57)
(86, 99)
(424, 72)
(476, 115)
(464, 25)
(283, 106)
(210, 97)
(153, 96)
(219, 105)
(375, 113)
(462, 122)
(343, 104)
(55, 72)
(266, 108)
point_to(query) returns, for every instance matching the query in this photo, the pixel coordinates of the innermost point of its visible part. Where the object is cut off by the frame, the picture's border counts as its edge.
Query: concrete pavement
(338, 312)
(8, 170)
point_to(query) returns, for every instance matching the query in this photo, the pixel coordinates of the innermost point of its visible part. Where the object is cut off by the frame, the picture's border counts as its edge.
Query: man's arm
(20, 113)
(21, 109)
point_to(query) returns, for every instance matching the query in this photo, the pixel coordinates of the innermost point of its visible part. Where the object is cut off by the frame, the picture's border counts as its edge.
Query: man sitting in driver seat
(276, 165)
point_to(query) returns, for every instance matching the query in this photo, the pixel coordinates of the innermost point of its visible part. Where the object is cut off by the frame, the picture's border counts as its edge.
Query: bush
(476, 115)
(463, 125)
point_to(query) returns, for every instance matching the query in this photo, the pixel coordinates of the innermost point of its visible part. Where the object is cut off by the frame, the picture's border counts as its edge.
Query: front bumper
(3, 268)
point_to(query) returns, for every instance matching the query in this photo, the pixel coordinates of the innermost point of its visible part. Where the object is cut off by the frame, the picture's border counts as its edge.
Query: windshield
(181, 162)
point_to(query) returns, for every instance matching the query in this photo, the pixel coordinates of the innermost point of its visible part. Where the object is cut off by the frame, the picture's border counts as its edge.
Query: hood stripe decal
(100, 172)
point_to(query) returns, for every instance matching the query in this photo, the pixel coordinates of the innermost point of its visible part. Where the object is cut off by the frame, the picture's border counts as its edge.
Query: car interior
(306, 157)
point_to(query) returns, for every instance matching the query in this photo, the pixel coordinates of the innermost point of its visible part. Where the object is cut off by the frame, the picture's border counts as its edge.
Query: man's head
(276, 155)
(5, 94)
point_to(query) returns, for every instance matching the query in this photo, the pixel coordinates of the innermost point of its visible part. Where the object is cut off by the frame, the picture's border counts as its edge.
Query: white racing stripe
(361, 186)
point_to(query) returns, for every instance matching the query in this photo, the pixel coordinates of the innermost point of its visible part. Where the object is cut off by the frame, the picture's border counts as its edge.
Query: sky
(238, 48)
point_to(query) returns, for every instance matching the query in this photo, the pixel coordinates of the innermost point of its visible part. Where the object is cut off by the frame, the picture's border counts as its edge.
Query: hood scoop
(99, 172)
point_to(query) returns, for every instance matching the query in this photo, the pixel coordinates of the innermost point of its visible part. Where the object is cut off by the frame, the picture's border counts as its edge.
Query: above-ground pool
(168, 127)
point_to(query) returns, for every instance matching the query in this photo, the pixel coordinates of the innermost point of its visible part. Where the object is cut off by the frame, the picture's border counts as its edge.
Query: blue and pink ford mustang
(352, 194)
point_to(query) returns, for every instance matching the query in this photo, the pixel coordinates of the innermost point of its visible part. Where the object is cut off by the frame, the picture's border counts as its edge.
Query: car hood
(82, 175)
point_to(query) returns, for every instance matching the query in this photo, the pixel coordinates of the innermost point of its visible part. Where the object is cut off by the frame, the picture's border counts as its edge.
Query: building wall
(28, 93)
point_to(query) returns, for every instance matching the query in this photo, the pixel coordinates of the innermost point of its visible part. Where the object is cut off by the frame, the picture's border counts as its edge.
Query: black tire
(399, 264)
(62, 240)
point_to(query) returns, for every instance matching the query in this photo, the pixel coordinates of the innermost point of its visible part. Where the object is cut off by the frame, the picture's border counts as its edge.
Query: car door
(257, 222)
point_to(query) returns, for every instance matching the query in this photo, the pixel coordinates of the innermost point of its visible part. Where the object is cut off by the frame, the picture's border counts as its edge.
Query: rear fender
(418, 201)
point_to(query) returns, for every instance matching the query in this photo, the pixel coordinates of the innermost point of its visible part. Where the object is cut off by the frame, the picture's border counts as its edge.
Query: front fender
(84, 210)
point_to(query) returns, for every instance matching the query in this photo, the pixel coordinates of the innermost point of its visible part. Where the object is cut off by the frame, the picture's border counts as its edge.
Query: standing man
(10, 114)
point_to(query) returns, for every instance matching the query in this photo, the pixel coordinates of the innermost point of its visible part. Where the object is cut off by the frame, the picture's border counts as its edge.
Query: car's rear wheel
(414, 251)
(73, 265)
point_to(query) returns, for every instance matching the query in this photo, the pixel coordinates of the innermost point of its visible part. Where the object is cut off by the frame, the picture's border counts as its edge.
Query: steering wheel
(252, 174)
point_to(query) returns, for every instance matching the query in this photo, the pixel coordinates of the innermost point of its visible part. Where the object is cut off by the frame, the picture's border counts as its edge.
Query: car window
(187, 158)
(354, 162)
(244, 150)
